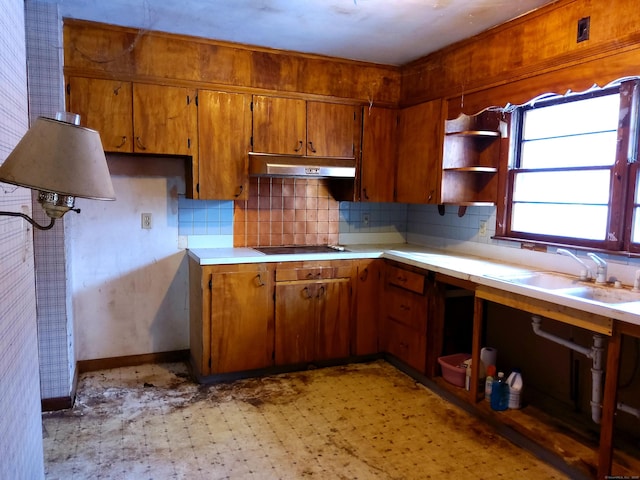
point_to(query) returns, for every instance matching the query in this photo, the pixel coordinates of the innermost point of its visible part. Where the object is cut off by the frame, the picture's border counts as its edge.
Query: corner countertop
(481, 271)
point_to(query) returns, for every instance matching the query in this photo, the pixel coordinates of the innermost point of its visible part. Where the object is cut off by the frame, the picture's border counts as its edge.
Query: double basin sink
(568, 286)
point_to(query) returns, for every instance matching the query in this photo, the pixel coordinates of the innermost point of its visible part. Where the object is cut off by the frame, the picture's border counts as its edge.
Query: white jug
(515, 389)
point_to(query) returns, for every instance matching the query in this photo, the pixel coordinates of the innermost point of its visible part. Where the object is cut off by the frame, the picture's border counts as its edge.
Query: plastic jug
(514, 381)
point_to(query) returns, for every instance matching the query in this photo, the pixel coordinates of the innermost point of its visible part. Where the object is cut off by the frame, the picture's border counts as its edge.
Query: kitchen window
(573, 171)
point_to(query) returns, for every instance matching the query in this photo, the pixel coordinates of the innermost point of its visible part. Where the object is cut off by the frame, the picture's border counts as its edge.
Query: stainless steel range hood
(269, 165)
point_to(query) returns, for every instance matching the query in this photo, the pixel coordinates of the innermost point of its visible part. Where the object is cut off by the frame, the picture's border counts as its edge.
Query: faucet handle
(601, 271)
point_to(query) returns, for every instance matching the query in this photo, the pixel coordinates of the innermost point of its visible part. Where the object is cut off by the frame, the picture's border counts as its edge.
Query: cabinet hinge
(251, 106)
(209, 363)
(188, 100)
(196, 100)
(251, 141)
(197, 187)
(68, 89)
(188, 143)
(210, 283)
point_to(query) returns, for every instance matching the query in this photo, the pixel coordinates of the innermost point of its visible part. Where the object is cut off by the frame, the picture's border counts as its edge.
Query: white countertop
(478, 270)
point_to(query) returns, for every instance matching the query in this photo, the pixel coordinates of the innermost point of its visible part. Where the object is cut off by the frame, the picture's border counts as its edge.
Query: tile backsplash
(287, 211)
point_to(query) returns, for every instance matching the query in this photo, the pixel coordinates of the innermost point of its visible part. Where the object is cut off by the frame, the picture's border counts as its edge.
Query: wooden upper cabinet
(331, 129)
(296, 127)
(379, 141)
(224, 139)
(164, 119)
(105, 106)
(279, 125)
(420, 133)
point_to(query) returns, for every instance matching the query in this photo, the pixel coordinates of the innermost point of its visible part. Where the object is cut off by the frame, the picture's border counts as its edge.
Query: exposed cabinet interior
(419, 153)
(224, 133)
(471, 158)
(378, 163)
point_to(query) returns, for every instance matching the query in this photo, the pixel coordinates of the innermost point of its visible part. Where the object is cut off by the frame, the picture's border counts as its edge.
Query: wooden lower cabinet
(368, 289)
(412, 317)
(231, 324)
(313, 311)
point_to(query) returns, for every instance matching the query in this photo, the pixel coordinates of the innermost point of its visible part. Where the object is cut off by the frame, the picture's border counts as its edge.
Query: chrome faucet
(585, 273)
(601, 270)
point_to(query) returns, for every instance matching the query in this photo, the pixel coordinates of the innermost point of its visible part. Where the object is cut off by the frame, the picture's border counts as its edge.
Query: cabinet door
(420, 136)
(367, 315)
(333, 304)
(163, 118)
(331, 129)
(105, 106)
(279, 125)
(241, 320)
(379, 140)
(224, 137)
(295, 322)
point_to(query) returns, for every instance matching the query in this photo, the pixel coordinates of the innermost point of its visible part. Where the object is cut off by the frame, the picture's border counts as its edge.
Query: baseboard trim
(131, 360)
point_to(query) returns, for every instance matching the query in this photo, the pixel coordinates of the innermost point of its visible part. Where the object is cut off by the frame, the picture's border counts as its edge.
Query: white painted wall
(129, 286)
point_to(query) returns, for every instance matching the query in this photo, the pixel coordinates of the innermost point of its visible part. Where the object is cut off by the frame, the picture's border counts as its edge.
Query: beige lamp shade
(60, 157)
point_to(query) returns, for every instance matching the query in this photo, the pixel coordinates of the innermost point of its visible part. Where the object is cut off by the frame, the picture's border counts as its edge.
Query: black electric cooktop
(299, 249)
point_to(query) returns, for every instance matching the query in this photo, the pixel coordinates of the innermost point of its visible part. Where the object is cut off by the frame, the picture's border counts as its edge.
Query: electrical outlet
(482, 231)
(145, 221)
(365, 218)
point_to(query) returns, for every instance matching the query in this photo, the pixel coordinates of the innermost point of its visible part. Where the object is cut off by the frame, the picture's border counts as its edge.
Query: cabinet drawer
(403, 343)
(407, 308)
(312, 273)
(405, 279)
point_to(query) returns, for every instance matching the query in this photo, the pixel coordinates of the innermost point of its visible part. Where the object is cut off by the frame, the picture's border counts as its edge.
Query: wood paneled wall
(531, 55)
(105, 51)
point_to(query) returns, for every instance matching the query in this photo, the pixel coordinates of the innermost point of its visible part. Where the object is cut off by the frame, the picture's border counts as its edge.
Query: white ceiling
(382, 31)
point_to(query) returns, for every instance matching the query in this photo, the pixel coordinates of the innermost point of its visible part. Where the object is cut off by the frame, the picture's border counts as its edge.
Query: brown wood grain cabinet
(224, 140)
(135, 117)
(368, 289)
(292, 126)
(419, 152)
(312, 312)
(105, 106)
(378, 163)
(231, 318)
(413, 317)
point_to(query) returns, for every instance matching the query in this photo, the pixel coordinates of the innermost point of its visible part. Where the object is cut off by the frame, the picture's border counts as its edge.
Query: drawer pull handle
(313, 275)
(259, 281)
(364, 275)
(320, 292)
(307, 292)
(401, 279)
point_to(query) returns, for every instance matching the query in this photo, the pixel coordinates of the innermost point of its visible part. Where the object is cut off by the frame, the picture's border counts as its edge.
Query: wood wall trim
(541, 42)
(84, 366)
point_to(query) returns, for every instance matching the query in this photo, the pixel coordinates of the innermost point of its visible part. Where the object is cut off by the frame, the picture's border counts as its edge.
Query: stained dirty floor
(362, 421)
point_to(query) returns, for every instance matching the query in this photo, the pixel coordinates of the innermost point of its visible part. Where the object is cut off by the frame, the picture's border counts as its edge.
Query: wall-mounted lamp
(62, 160)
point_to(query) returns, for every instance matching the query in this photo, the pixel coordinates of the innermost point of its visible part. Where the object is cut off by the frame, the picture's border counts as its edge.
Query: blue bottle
(500, 393)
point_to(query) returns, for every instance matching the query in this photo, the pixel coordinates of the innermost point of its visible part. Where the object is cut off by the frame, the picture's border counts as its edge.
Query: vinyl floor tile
(361, 421)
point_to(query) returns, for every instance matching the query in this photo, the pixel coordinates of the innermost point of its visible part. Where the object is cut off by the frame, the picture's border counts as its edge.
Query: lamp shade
(60, 157)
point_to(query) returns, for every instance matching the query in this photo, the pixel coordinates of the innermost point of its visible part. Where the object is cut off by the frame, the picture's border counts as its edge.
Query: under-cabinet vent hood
(269, 165)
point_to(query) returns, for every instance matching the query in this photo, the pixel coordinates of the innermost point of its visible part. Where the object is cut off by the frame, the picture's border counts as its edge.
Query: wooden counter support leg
(609, 402)
(476, 345)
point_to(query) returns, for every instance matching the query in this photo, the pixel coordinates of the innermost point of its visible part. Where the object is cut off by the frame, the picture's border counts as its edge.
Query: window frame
(622, 178)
